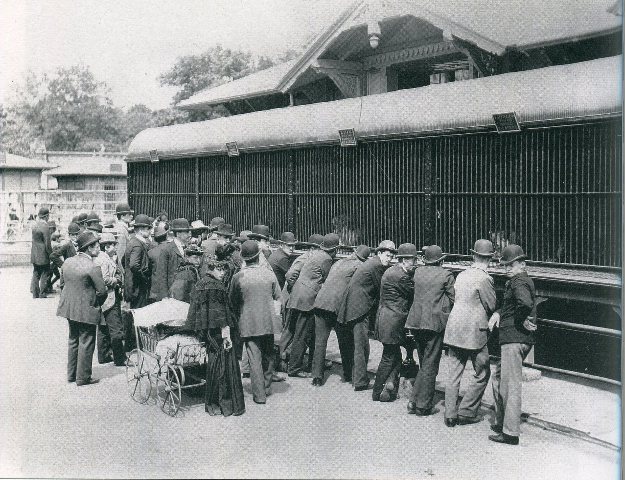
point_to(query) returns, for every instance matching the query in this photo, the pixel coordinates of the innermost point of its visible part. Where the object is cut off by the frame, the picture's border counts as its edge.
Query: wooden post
(197, 188)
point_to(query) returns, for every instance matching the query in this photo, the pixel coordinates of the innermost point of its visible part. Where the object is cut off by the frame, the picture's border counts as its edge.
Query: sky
(128, 44)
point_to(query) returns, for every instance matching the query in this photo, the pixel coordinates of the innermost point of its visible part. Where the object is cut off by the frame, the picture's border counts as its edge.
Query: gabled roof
(562, 93)
(492, 25)
(8, 160)
(264, 82)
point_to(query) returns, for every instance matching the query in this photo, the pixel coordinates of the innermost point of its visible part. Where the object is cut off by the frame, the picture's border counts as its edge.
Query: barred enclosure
(556, 190)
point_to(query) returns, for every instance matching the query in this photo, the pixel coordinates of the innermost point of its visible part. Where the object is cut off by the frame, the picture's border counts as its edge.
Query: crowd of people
(262, 311)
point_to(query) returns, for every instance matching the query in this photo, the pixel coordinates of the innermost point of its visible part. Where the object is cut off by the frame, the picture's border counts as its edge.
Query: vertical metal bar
(197, 187)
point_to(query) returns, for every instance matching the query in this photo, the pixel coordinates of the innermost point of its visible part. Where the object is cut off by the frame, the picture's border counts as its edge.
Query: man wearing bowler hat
(396, 293)
(262, 235)
(81, 220)
(40, 251)
(359, 303)
(80, 302)
(302, 301)
(110, 338)
(67, 249)
(434, 295)
(137, 264)
(124, 217)
(158, 265)
(211, 242)
(91, 219)
(199, 231)
(174, 253)
(281, 259)
(467, 335)
(516, 320)
(252, 295)
(326, 305)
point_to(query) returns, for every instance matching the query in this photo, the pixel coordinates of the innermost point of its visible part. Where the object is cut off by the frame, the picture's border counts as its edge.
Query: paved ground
(55, 429)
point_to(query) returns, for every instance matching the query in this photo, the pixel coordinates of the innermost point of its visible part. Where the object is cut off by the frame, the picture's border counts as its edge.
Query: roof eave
(219, 101)
(572, 38)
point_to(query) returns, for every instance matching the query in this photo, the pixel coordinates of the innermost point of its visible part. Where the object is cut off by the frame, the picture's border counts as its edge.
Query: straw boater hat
(512, 253)
(483, 248)
(433, 254)
(407, 250)
(249, 250)
(198, 225)
(107, 238)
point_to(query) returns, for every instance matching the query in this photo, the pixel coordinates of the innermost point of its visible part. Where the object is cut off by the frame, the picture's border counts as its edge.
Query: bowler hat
(314, 240)
(85, 239)
(433, 254)
(51, 224)
(330, 242)
(387, 245)
(82, 219)
(193, 249)
(180, 225)
(198, 225)
(483, 248)
(407, 250)
(95, 227)
(142, 220)
(107, 237)
(249, 250)
(288, 238)
(215, 222)
(43, 211)
(73, 228)
(75, 219)
(160, 232)
(243, 235)
(363, 252)
(260, 231)
(93, 218)
(225, 230)
(123, 208)
(511, 253)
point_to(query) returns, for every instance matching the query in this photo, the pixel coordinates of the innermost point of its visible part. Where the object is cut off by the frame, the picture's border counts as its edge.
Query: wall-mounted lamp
(374, 40)
(154, 156)
(233, 149)
(347, 137)
(374, 32)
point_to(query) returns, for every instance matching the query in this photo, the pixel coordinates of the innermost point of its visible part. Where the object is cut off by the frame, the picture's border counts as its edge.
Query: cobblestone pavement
(54, 429)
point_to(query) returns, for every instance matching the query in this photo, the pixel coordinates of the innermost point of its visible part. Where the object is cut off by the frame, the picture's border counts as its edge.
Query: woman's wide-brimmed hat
(249, 250)
(483, 248)
(180, 225)
(433, 254)
(85, 239)
(386, 245)
(406, 250)
(512, 253)
(260, 232)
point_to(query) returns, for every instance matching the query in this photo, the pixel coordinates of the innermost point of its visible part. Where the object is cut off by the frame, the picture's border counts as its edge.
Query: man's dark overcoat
(434, 296)
(362, 294)
(331, 293)
(396, 292)
(41, 246)
(137, 273)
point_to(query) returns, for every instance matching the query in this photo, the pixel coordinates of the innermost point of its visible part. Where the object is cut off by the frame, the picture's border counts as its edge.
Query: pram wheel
(168, 390)
(138, 377)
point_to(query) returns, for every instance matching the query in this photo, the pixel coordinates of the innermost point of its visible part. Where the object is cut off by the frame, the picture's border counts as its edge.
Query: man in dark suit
(173, 255)
(137, 274)
(40, 251)
(281, 259)
(158, 266)
(311, 278)
(359, 303)
(66, 250)
(396, 292)
(326, 305)
(80, 302)
(434, 296)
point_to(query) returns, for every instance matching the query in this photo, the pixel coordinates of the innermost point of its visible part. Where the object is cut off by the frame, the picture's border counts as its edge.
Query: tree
(69, 110)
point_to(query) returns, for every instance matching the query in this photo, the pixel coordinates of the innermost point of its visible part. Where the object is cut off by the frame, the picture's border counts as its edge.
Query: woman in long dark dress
(211, 317)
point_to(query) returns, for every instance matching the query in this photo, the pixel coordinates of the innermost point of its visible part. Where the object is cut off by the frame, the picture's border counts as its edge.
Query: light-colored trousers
(507, 386)
(470, 403)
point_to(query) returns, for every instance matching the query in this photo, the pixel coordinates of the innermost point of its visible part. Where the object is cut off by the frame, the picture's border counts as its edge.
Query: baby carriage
(167, 359)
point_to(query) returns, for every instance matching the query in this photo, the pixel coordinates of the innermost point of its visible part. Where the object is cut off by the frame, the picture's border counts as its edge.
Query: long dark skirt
(224, 391)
